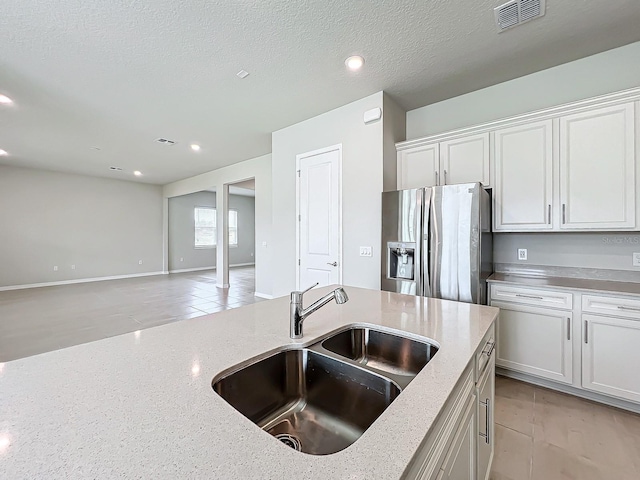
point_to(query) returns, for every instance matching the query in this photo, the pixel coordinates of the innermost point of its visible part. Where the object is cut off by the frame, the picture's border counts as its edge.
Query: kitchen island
(141, 405)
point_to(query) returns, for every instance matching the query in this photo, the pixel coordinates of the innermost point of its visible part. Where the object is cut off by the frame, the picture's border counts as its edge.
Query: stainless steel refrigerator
(437, 242)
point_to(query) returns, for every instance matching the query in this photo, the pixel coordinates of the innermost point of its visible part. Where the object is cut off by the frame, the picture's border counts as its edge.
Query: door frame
(299, 158)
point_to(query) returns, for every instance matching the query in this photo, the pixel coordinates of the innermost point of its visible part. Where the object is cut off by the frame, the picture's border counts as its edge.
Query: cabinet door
(460, 462)
(524, 177)
(465, 160)
(418, 167)
(610, 356)
(535, 341)
(597, 169)
(485, 429)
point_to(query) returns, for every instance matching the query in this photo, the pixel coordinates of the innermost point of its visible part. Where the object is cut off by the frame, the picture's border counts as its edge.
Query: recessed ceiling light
(354, 63)
(242, 74)
(195, 147)
(5, 100)
(137, 173)
(3, 152)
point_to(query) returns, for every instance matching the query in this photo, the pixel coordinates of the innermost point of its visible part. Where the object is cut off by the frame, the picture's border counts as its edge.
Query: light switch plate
(636, 259)
(366, 252)
(522, 254)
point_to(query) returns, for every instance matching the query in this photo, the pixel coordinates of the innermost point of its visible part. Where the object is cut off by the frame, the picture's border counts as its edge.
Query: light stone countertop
(141, 405)
(592, 285)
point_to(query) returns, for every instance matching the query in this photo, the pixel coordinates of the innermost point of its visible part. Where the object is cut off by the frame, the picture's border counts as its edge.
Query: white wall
(102, 226)
(182, 252)
(258, 168)
(599, 74)
(394, 130)
(362, 183)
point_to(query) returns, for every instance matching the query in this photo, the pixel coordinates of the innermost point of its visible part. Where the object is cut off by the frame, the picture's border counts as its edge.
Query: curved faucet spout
(298, 313)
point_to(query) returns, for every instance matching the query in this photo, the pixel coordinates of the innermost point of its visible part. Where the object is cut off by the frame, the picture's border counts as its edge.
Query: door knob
(334, 264)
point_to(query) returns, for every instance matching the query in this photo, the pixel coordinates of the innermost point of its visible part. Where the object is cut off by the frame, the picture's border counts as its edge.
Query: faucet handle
(312, 286)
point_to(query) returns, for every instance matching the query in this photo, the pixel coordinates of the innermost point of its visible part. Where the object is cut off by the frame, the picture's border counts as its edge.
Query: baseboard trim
(263, 295)
(570, 389)
(199, 269)
(185, 270)
(79, 280)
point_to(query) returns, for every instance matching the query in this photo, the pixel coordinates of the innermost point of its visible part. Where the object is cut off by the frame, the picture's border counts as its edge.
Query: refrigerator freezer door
(401, 246)
(455, 242)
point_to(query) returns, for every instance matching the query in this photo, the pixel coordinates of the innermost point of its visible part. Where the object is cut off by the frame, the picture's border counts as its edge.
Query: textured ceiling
(118, 74)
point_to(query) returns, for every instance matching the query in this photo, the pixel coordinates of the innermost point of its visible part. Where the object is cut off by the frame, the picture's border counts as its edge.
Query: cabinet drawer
(488, 348)
(618, 306)
(532, 296)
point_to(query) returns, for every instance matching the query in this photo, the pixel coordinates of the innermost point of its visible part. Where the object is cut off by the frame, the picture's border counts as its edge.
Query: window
(205, 227)
(233, 227)
(205, 222)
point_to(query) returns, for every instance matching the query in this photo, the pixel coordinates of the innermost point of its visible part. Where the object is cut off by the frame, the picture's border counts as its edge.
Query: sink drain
(290, 441)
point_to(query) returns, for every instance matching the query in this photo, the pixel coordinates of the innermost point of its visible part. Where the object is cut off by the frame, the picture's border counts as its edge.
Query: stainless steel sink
(394, 354)
(308, 400)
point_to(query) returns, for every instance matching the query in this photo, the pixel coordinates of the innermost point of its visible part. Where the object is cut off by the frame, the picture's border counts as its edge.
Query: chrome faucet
(298, 314)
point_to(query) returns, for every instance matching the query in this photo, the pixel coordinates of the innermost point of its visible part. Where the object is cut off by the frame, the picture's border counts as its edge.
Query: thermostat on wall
(372, 115)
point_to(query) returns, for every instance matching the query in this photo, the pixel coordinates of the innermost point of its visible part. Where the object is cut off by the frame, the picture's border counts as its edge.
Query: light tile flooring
(39, 320)
(542, 434)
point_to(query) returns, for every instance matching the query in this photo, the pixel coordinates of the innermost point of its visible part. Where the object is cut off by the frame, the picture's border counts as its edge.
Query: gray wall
(102, 226)
(181, 231)
(610, 250)
(606, 72)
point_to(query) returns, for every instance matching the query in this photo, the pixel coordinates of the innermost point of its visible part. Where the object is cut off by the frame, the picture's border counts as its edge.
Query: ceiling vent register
(165, 141)
(517, 12)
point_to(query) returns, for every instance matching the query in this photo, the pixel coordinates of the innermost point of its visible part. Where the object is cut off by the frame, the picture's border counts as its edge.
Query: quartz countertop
(140, 405)
(594, 285)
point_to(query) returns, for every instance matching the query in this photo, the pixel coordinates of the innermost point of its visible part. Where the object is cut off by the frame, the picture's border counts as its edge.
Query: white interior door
(319, 223)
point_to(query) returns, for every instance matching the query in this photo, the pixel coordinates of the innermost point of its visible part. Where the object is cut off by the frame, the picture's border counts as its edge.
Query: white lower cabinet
(611, 356)
(535, 340)
(485, 430)
(460, 444)
(460, 463)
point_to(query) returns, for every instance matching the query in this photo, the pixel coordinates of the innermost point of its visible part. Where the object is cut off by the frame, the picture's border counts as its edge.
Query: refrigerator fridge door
(455, 242)
(401, 246)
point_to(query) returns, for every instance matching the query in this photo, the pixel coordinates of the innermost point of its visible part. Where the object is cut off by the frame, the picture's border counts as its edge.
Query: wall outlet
(366, 251)
(636, 259)
(139, 262)
(264, 244)
(73, 267)
(182, 259)
(55, 268)
(252, 254)
(522, 254)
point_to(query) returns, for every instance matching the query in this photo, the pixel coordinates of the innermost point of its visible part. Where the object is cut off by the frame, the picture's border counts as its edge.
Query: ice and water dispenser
(401, 261)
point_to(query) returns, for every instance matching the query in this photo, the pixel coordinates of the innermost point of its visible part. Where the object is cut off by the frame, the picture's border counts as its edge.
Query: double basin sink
(321, 398)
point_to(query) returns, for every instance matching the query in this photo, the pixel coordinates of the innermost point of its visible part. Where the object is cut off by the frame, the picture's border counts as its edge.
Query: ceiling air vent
(516, 12)
(165, 141)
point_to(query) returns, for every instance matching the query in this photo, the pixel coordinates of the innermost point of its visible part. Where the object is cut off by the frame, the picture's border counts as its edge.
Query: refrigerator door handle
(426, 212)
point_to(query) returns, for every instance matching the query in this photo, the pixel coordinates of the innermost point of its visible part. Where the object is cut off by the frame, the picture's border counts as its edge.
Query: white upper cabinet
(465, 160)
(597, 169)
(523, 183)
(418, 166)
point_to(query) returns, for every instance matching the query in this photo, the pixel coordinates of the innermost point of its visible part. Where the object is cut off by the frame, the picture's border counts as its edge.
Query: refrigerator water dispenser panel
(400, 261)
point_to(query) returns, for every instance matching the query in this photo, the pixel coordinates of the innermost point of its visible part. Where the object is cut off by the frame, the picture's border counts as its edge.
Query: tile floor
(39, 320)
(543, 434)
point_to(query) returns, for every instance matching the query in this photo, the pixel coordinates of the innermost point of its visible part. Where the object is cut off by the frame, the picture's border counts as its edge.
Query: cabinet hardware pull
(564, 214)
(529, 296)
(487, 424)
(437, 183)
(632, 309)
(549, 214)
(586, 331)
(445, 177)
(568, 328)
(492, 346)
